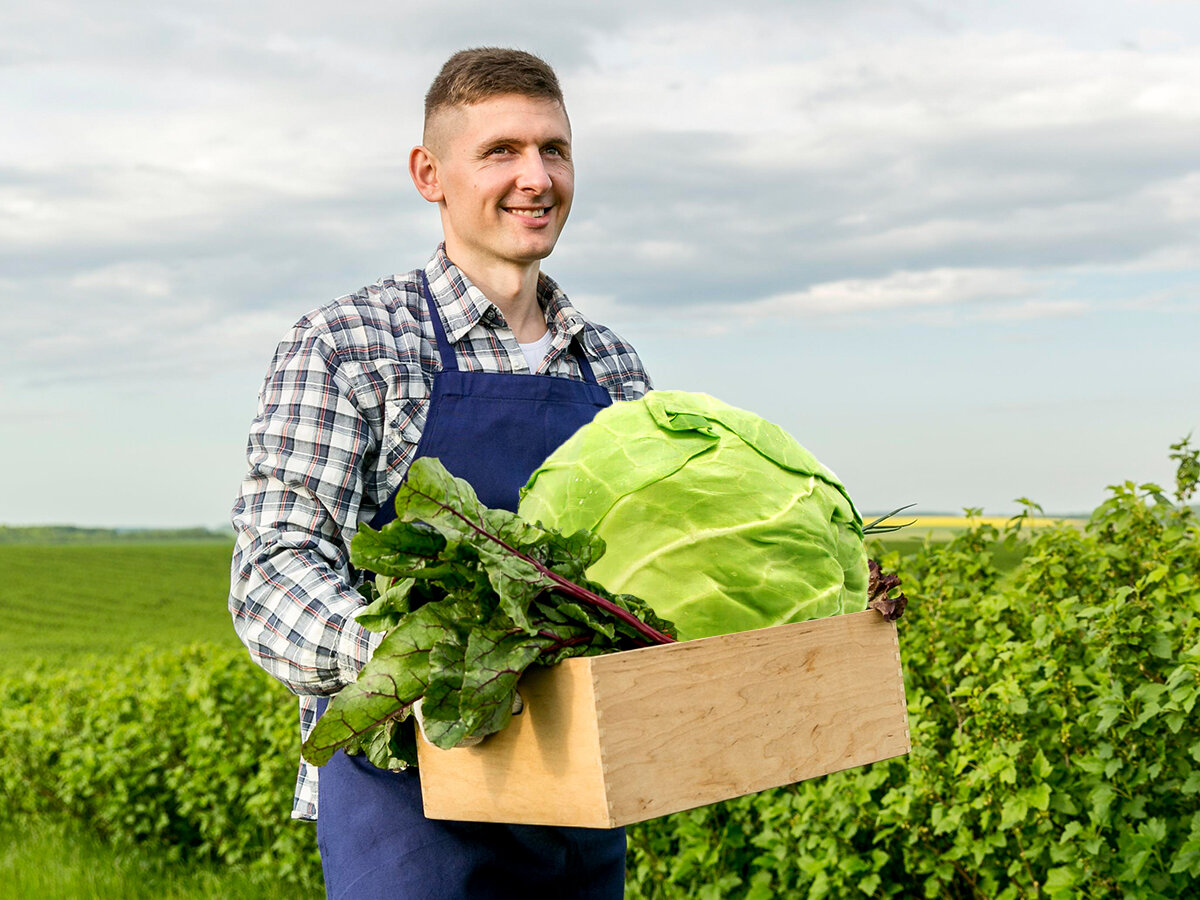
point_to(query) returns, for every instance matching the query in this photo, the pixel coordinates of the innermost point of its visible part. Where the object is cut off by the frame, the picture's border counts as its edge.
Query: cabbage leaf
(720, 520)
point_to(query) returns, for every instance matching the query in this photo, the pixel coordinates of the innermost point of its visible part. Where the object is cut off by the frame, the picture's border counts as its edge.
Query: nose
(533, 177)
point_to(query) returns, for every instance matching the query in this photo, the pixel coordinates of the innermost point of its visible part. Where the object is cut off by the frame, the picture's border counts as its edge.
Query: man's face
(504, 179)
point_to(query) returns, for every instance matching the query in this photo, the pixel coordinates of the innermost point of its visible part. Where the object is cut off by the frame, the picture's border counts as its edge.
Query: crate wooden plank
(617, 739)
(543, 769)
(708, 720)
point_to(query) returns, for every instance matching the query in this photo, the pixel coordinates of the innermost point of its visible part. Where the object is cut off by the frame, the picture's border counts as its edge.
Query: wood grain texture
(707, 720)
(543, 769)
(617, 739)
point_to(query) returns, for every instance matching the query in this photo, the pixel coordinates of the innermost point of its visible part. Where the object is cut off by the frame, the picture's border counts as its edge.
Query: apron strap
(445, 351)
(450, 360)
(584, 367)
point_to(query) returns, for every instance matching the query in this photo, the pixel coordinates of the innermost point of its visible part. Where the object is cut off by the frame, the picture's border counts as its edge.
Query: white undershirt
(536, 352)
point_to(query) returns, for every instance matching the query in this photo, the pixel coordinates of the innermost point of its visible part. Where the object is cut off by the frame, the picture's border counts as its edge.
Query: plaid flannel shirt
(339, 416)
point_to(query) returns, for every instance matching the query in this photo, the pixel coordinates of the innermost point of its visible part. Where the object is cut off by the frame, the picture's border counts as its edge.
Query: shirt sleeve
(291, 593)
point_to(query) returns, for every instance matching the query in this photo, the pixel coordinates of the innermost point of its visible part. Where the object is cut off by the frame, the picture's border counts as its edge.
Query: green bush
(194, 751)
(1055, 747)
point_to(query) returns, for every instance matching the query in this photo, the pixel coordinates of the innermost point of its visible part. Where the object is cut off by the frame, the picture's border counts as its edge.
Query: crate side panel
(543, 769)
(702, 721)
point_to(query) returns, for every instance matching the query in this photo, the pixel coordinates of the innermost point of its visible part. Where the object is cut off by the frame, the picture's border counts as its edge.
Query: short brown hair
(471, 76)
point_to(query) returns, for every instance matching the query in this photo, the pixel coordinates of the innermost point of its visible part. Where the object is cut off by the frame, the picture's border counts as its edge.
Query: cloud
(1027, 310)
(145, 280)
(763, 188)
(940, 298)
(941, 150)
(859, 158)
(900, 290)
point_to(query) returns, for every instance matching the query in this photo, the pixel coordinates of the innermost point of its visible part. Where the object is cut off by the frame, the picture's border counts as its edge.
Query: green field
(62, 602)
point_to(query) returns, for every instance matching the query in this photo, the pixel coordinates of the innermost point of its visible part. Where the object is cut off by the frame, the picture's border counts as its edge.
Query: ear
(422, 168)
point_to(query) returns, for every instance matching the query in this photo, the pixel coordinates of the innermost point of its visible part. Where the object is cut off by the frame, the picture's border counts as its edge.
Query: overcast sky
(953, 248)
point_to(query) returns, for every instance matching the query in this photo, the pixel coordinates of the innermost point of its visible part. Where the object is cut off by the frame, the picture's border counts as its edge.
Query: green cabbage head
(717, 518)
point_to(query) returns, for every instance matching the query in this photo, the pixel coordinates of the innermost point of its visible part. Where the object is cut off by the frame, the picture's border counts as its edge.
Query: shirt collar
(463, 306)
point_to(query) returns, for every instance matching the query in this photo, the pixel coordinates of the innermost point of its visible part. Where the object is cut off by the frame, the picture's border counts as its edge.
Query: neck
(513, 289)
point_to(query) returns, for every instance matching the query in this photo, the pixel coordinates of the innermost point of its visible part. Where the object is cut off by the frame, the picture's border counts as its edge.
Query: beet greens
(467, 598)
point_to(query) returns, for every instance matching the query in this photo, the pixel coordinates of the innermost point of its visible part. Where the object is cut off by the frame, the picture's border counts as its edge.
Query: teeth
(529, 213)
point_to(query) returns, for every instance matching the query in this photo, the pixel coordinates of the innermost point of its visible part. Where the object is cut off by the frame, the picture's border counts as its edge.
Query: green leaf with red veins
(508, 547)
(441, 716)
(388, 685)
(391, 746)
(495, 662)
(572, 555)
(389, 607)
(586, 615)
(471, 598)
(396, 549)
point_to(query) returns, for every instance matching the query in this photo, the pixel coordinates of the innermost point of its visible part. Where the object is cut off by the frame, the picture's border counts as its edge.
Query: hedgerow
(194, 750)
(1055, 747)
(1052, 709)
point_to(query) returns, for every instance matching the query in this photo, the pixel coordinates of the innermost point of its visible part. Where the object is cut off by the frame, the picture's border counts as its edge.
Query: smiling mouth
(528, 213)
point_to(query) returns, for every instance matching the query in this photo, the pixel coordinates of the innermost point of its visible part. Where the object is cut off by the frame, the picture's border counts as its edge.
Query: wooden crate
(616, 739)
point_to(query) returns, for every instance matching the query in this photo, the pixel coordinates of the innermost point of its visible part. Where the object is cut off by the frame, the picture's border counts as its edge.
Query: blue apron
(493, 430)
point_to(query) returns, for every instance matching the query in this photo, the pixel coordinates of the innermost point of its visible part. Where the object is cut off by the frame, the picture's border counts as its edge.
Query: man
(476, 358)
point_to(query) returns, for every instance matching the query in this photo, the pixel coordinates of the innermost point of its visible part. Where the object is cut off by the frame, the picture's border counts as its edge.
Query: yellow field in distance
(963, 521)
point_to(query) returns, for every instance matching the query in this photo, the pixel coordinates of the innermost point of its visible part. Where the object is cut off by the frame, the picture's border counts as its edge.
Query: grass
(48, 859)
(60, 603)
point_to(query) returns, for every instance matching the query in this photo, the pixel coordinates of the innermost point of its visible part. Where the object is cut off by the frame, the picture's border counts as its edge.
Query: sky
(951, 247)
